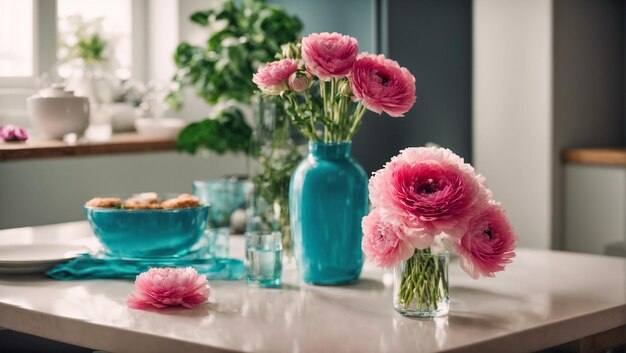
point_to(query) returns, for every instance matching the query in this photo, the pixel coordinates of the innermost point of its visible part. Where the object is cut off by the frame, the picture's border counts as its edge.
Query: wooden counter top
(595, 156)
(119, 143)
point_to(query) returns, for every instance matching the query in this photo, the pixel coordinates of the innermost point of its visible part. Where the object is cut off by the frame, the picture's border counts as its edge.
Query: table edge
(569, 329)
(139, 341)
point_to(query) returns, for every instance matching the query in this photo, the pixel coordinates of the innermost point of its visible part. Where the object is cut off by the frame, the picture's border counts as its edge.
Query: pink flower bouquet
(424, 200)
(327, 83)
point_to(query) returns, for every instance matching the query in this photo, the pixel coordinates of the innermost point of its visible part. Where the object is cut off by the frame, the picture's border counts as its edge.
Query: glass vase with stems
(277, 149)
(421, 285)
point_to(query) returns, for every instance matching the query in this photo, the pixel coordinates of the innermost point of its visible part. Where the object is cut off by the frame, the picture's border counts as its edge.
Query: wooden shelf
(596, 156)
(118, 144)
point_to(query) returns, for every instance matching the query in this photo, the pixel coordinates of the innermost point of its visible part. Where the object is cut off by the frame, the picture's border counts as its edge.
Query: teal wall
(352, 17)
(433, 39)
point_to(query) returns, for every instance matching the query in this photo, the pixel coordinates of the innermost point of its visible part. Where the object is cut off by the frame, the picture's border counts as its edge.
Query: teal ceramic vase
(327, 200)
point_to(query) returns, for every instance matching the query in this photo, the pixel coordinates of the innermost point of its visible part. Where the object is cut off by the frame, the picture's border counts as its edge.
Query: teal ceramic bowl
(148, 233)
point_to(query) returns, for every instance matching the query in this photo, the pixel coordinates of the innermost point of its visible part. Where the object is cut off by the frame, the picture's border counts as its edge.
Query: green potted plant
(86, 59)
(242, 37)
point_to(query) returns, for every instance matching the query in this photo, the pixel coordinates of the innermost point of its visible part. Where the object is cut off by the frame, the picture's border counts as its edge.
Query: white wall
(194, 108)
(51, 191)
(163, 28)
(512, 110)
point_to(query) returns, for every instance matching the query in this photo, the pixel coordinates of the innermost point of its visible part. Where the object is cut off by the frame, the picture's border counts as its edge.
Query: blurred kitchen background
(507, 84)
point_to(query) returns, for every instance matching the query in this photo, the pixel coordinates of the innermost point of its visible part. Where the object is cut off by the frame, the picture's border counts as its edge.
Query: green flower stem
(336, 112)
(358, 116)
(309, 104)
(423, 282)
(299, 119)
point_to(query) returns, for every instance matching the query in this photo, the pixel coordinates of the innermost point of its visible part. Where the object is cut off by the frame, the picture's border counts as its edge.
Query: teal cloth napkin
(103, 267)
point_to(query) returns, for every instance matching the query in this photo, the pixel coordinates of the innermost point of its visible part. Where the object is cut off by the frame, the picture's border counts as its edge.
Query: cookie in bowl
(104, 202)
(181, 201)
(142, 201)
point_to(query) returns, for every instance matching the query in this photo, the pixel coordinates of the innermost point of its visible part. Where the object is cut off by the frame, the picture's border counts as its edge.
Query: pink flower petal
(329, 55)
(488, 243)
(382, 242)
(273, 78)
(428, 190)
(382, 85)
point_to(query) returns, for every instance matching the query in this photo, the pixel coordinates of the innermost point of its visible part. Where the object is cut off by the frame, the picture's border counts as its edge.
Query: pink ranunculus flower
(382, 242)
(329, 55)
(428, 189)
(488, 243)
(382, 85)
(163, 287)
(12, 133)
(273, 78)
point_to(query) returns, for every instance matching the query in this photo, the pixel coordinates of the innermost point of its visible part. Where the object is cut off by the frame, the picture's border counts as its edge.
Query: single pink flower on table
(382, 85)
(382, 242)
(428, 190)
(163, 287)
(273, 78)
(329, 55)
(11, 133)
(488, 243)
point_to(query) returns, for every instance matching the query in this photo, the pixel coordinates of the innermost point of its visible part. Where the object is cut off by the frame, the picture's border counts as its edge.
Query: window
(114, 18)
(16, 38)
(28, 30)
(28, 44)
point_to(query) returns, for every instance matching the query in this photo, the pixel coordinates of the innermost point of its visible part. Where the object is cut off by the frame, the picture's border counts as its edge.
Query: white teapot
(55, 112)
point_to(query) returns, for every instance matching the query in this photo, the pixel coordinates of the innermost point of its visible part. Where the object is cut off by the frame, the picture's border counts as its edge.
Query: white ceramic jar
(55, 112)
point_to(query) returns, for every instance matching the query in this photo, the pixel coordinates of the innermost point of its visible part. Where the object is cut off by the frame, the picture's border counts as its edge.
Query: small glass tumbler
(264, 259)
(225, 196)
(217, 242)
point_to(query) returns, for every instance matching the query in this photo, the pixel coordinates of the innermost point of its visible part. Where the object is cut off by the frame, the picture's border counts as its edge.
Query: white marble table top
(545, 298)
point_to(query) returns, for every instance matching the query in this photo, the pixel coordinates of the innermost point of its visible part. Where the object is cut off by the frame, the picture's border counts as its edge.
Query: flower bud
(299, 82)
(291, 50)
(344, 88)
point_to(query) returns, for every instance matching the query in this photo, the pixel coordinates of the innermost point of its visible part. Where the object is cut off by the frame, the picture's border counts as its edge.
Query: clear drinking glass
(264, 259)
(225, 196)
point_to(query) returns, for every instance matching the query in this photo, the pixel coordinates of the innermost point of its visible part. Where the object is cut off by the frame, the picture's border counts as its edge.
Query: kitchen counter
(544, 299)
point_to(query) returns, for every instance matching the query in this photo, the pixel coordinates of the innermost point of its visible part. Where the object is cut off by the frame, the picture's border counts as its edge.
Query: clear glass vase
(277, 150)
(420, 287)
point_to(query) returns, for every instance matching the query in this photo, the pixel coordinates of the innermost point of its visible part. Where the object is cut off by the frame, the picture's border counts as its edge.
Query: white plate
(36, 258)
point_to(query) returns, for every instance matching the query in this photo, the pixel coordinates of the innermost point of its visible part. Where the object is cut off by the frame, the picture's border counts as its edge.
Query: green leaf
(227, 132)
(201, 17)
(218, 73)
